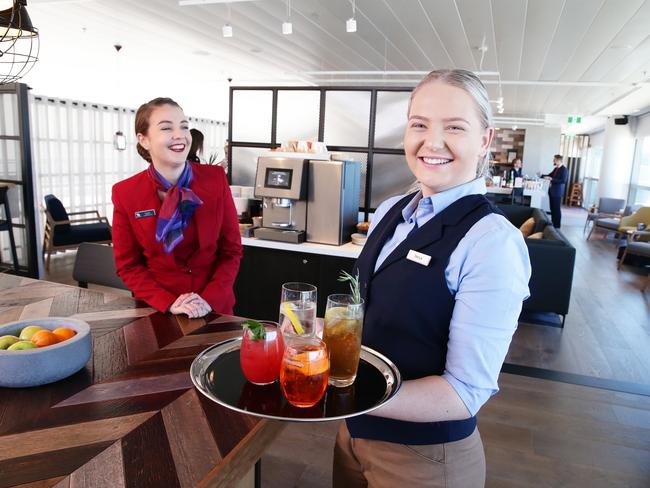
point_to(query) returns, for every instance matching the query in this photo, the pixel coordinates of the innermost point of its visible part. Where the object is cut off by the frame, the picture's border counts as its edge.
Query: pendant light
(351, 23)
(119, 139)
(19, 41)
(287, 27)
(226, 30)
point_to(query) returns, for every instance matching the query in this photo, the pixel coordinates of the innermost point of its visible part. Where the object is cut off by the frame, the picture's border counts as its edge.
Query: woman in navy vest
(443, 275)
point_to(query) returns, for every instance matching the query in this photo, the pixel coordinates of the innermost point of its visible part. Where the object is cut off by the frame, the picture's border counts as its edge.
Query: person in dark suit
(516, 172)
(558, 177)
(443, 275)
(175, 230)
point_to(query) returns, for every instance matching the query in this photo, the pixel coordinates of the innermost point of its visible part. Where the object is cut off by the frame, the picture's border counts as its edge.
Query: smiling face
(168, 137)
(444, 138)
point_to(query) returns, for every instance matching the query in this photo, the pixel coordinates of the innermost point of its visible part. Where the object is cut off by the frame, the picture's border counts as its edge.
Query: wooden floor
(536, 432)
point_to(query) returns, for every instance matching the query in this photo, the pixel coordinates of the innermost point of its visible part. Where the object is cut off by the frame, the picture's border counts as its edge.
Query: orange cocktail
(304, 371)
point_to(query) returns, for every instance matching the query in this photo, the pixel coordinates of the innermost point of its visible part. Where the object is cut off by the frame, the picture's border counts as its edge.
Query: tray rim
(196, 374)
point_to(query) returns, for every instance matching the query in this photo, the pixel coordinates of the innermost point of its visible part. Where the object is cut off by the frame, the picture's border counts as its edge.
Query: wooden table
(132, 416)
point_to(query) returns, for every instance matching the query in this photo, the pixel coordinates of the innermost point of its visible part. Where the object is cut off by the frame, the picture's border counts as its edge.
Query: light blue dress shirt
(488, 275)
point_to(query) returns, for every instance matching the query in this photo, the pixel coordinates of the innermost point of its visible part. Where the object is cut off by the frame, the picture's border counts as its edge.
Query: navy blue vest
(408, 310)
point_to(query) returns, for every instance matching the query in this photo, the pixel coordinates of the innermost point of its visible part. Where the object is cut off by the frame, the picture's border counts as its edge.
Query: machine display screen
(278, 178)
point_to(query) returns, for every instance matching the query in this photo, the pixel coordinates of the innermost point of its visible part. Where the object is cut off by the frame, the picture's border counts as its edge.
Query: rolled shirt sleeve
(489, 273)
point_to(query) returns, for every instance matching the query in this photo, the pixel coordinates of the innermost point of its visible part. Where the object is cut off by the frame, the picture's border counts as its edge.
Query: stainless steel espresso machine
(311, 200)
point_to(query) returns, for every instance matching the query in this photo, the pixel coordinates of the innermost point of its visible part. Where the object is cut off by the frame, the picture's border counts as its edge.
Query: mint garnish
(258, 331)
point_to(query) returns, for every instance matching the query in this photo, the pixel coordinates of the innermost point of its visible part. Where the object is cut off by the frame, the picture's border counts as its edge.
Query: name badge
(418, 257)
(145, 213)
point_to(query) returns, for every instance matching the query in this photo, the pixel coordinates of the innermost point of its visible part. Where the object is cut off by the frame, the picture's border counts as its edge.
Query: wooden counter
(132, 416)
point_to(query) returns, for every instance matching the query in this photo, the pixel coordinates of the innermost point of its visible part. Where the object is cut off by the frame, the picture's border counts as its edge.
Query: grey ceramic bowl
(34, 367)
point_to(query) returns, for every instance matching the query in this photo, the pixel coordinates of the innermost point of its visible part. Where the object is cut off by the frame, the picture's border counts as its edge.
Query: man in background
(558, 177)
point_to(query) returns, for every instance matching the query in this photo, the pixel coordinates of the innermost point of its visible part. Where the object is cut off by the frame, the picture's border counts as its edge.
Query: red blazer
(153, 275)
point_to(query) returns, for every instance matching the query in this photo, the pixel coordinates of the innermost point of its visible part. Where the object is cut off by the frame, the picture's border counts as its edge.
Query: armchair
(63, 232)
(607, 207)
(623, 224)
(638, 243)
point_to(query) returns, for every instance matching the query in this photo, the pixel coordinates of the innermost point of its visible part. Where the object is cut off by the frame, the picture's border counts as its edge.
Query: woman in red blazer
(175, 230)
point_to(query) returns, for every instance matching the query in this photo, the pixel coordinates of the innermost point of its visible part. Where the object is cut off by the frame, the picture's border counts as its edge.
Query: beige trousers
(377, 464)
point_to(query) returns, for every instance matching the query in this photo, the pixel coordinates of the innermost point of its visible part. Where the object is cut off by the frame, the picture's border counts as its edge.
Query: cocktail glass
(342, 334)
(260, 358)
(304, 371)
(298, 309)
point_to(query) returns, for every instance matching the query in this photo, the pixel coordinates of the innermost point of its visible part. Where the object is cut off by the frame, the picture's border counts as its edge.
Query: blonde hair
(474, 87)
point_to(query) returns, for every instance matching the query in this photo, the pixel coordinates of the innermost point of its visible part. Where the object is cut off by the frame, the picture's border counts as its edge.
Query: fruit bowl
(34, 367)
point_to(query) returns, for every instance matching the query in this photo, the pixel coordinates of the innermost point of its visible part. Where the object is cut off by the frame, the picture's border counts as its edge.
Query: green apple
(21, 345)
(8, 340)
(27, 333)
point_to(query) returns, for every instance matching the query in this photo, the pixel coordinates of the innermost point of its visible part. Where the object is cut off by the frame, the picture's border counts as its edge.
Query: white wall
(540, 145)
(618, 156)
(643, 126)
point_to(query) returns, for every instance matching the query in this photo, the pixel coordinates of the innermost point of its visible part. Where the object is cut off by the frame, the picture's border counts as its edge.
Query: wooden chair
(95, 263)
(63, 232)
(575, 198)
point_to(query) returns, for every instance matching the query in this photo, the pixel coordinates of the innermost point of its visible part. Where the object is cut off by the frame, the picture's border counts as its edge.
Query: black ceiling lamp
(19, 41)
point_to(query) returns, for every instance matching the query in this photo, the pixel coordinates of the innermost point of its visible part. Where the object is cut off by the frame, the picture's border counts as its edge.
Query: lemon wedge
(286, 308)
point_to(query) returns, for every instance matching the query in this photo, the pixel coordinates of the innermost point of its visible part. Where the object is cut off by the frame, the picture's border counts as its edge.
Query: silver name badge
(418, 257)
(145, 213)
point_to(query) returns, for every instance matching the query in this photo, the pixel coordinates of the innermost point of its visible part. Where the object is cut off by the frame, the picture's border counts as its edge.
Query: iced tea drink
(304, 371)
(342, 334)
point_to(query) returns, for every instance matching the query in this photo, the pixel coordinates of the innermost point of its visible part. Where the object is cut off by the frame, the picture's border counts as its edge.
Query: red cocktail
(261, 352)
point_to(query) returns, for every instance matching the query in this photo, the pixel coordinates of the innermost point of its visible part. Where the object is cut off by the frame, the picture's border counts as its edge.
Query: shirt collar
(427, 207)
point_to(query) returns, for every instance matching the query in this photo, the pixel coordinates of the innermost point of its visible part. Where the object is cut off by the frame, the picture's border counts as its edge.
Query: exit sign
(574, 119)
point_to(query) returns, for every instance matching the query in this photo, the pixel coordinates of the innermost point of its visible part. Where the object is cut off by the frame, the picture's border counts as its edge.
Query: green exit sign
(574, 119)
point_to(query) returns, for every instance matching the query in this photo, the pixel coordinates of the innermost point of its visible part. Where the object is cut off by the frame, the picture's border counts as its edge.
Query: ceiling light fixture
(287, 28)
(15, 21)
(19, 41)
(351, 23)
(226, 30)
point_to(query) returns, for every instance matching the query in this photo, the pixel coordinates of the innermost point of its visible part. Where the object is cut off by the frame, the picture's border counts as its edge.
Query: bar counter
(131, 417)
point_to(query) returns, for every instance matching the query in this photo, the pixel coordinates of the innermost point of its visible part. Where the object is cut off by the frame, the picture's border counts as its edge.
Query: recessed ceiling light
(621, 46)
(256, 50)
(200, 52)
(226, 30)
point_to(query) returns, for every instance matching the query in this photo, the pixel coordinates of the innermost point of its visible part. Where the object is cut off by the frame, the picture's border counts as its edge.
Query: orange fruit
(44, 338)
(64, 333)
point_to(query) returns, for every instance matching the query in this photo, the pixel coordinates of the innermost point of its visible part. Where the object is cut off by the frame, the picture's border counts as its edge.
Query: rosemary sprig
(355, 289)
(258, 331)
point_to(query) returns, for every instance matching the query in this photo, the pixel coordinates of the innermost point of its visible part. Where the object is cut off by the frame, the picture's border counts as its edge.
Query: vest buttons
(189, 271)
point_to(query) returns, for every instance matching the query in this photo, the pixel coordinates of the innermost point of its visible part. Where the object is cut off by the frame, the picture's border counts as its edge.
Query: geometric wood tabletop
(131, 417)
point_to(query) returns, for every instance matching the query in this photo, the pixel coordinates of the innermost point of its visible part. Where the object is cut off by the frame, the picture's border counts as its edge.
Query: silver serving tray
(217, 375)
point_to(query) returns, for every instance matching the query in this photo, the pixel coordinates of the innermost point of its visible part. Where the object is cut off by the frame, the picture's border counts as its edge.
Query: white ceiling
(585, 57)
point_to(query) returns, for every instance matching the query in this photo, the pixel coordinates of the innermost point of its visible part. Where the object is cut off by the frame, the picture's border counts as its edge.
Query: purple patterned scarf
(177, 208)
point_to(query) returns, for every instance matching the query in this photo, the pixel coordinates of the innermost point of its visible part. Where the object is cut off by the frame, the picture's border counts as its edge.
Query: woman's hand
(190, 304)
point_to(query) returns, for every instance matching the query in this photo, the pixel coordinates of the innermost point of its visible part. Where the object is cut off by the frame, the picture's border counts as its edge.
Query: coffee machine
(312, 200)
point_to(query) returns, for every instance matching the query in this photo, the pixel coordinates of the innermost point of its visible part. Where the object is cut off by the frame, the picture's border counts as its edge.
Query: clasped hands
(191, 304)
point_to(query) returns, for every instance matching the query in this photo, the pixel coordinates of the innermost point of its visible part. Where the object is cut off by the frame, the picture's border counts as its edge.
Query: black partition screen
(16, 177)
(367, 123)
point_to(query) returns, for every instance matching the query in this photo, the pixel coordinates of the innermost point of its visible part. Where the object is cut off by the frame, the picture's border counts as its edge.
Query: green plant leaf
(258, 331)
(355, 288)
